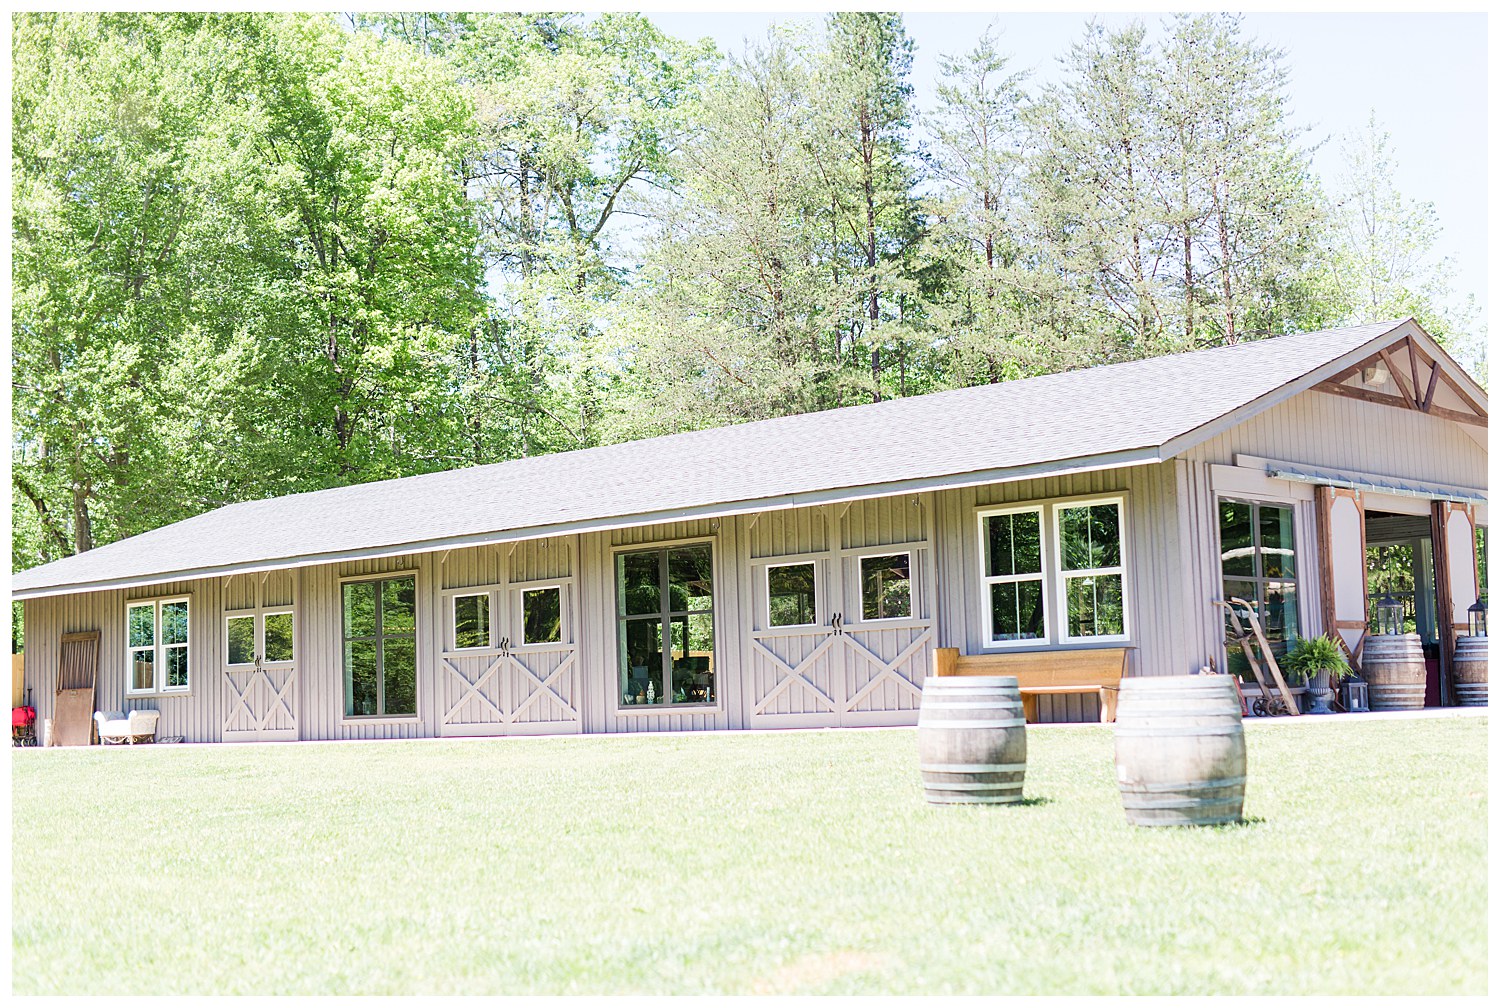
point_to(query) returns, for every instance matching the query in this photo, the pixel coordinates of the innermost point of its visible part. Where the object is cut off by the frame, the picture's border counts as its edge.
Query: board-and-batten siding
(321, 712)
(1172, 578)
(1319, 429)
(938, 528)
(197, 716)
(1156, 589)
(597, 640)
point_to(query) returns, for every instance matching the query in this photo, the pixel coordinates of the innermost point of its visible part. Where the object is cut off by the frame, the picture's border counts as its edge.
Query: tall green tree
(345, 166)
(866, 167)
(1385, 263)
(576, 118)
(243, 252)
(105, 110)
(978, 159)
(732, 315)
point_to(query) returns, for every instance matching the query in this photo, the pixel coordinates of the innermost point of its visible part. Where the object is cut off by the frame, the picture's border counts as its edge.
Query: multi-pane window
(380, 647)
(1258, 557)
(885, 586)
(791, 594)
(274, 630)
(1015, 585)
(156, 635)
(665, 601)
(1054, 573)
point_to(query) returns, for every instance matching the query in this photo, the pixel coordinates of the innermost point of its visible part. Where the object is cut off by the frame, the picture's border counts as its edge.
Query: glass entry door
(1258, 557)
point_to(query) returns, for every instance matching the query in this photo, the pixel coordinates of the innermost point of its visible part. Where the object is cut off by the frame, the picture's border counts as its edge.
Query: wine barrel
(1471, 671)
(971, 740)
(1392, 664)
(1180, 750)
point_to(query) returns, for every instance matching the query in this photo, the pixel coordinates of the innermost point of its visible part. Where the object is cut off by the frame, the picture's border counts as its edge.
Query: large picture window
(1054, 573)
(380, 647)
(156, 641)
(665, 601)
(1258, 560)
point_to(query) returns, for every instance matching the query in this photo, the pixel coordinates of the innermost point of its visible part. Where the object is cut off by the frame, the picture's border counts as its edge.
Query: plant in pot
(1320, 661)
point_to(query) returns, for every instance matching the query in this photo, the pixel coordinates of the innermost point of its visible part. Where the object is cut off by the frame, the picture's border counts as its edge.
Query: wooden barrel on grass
(1393, 666)
(971, 740)
(1471, 671)
(1180, 750)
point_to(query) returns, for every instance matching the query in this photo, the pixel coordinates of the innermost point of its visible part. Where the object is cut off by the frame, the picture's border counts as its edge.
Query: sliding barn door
(1456, 573)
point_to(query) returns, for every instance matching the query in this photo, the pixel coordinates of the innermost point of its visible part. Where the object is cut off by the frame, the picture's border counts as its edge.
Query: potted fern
(1320, 661)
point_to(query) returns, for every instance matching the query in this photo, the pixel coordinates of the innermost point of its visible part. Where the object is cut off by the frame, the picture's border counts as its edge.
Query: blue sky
(1424, 75)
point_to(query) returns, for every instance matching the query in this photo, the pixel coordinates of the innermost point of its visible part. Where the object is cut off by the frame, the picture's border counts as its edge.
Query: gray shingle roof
(1101, 411)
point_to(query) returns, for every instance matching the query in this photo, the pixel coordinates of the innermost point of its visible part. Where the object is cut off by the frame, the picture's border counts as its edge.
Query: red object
(20, 717)
(1434, 689)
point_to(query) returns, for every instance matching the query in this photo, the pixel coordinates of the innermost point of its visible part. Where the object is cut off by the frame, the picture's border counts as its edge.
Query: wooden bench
(1079, 671)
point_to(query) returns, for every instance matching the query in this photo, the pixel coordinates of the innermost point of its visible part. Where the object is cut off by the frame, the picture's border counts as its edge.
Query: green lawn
(803, 862)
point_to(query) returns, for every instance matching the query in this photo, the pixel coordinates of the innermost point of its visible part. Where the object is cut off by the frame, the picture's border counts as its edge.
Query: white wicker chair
(116, 726)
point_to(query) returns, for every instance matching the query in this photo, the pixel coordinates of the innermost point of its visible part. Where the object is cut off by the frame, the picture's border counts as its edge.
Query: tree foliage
(257, 254)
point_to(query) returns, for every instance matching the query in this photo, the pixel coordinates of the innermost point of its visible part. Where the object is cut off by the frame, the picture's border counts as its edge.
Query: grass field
(802, 862)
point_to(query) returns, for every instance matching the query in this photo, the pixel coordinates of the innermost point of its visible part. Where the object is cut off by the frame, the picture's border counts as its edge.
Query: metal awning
(1380, 484)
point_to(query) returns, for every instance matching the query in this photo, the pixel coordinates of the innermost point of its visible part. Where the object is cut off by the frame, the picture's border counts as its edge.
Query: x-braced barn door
(260, 657)
(509, 664)
(842, 635)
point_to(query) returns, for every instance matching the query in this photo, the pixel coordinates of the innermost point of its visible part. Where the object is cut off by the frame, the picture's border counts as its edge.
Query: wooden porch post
(1456, 576)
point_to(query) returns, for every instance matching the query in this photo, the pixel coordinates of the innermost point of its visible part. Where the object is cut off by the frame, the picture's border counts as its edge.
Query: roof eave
(1062, 467)
(1185, 442)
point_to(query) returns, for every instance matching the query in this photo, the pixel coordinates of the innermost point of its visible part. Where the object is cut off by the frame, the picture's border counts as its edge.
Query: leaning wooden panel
(73, 707)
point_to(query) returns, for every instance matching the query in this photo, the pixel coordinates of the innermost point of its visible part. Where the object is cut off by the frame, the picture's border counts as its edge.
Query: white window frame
(766, 593)
(518, 617)
(1054, 579)
(986, 579)
(254, 638)
(257, 619)
(489, 612)
(859, 583)
(158, 649)
(1063, 577)
(261, 627)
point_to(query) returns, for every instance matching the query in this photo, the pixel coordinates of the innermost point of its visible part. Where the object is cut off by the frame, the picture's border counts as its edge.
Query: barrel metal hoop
(973, 767)
(1147, 732)
(1015, 723)
(1136, 787)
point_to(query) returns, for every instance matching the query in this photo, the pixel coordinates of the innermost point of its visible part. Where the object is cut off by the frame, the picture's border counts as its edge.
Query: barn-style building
(801, 571)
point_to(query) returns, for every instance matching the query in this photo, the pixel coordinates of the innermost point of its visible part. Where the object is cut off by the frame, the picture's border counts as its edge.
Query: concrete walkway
(1405, 715)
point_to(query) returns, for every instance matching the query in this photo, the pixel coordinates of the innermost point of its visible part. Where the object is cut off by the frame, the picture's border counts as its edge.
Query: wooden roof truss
(1416, 381)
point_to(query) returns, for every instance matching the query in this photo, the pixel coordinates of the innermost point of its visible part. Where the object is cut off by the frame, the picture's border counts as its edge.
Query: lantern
(1478, 619)
(1390, 617)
